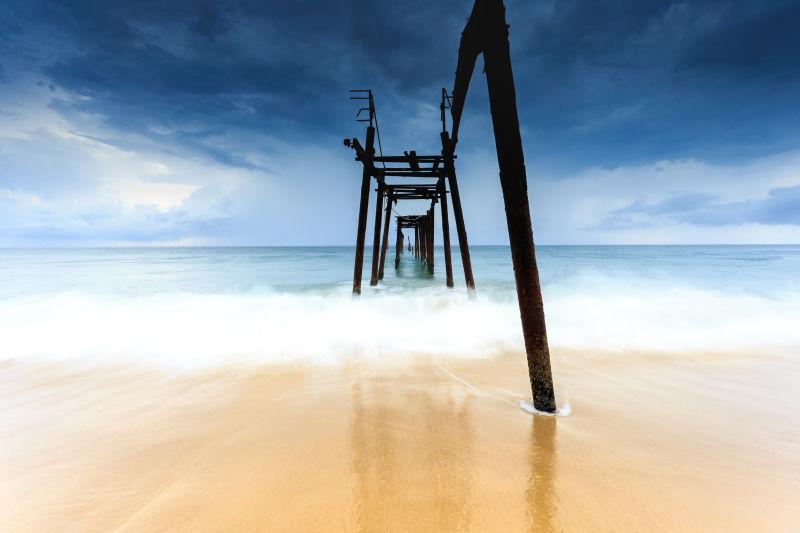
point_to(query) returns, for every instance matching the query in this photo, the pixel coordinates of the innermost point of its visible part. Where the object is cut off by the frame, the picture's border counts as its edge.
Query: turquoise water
(198, 306)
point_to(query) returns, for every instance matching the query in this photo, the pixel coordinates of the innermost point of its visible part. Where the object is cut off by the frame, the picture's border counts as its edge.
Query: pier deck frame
(435, 167)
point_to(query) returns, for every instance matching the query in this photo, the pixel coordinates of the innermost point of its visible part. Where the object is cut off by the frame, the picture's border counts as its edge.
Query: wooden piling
(362, 214)
(448, 263)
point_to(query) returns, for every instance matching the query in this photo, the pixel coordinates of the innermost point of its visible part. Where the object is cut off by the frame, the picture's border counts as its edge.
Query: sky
(221, 123)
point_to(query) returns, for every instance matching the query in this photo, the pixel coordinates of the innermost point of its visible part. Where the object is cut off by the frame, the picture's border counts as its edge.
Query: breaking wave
(190, 330)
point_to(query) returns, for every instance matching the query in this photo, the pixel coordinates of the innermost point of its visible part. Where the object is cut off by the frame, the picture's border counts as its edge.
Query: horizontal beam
(407, 159)
(406, 169)
(403, 188)
(410, 173)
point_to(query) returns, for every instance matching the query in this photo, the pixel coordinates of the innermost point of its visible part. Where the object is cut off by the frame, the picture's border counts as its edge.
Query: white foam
(202, 330)
(190, 330)
(527, 406)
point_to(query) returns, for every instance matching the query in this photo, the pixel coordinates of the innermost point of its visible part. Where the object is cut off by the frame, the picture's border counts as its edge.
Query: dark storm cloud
(600, 82)
(764, 45)
(189, 72)
(659, 79)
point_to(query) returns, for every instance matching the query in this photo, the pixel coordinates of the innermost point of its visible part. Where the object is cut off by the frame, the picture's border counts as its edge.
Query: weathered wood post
(448, 263)
(362, 210)
(385, 241)
(458, 214)
(376, 238)
(503, 104)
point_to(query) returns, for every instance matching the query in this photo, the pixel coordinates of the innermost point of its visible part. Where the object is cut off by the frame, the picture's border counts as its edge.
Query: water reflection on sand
(418, 445)
(386, 431)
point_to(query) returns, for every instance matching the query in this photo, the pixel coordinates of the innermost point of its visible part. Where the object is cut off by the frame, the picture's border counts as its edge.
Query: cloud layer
(220, 122)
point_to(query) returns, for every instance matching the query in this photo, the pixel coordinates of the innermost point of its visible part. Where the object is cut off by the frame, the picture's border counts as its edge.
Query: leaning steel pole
(503, 103)
(362, 212)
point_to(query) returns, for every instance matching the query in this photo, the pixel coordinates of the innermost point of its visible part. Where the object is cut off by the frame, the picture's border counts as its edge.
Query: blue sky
(193, 122)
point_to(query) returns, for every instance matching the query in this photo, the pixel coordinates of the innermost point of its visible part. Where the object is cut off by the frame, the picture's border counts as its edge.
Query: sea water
(186, 308)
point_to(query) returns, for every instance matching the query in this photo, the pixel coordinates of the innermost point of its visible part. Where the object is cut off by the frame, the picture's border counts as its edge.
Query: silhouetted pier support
(385, 241)
(429, 238)
(435, 167)
(448, 263)
(423, 239)
(461, 230)
(398, 246)
(503, 104)
(486, 33)
(361, 231)
(376, 238)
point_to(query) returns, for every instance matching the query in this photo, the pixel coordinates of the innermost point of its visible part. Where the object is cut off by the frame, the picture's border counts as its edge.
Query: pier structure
(486, 33)
(390, 173)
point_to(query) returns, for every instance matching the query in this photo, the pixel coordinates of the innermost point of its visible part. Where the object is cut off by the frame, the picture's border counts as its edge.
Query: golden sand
(655, 442)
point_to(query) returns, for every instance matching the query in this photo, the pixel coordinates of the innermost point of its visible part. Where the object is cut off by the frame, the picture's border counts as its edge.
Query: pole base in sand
(527, 406)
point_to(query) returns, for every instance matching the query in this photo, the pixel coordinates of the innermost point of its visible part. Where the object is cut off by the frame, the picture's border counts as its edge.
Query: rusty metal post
(385, 241)
(421, 240)
(416, 240)
(423, 247)
(362, 213)
(431, 237)
(376, 238)
(458, 214)
(398, 247)
(502, 100)
(448, 263)
(425, 238)
(421, 254)
(424, 244)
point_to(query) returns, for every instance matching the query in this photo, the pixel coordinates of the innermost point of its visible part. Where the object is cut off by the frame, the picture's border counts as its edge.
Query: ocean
(186, 308)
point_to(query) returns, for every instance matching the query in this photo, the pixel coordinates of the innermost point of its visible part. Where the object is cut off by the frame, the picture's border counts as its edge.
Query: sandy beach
(654, 442)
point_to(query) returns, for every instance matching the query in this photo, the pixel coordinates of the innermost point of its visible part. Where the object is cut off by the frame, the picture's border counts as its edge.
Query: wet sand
(655, 442)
